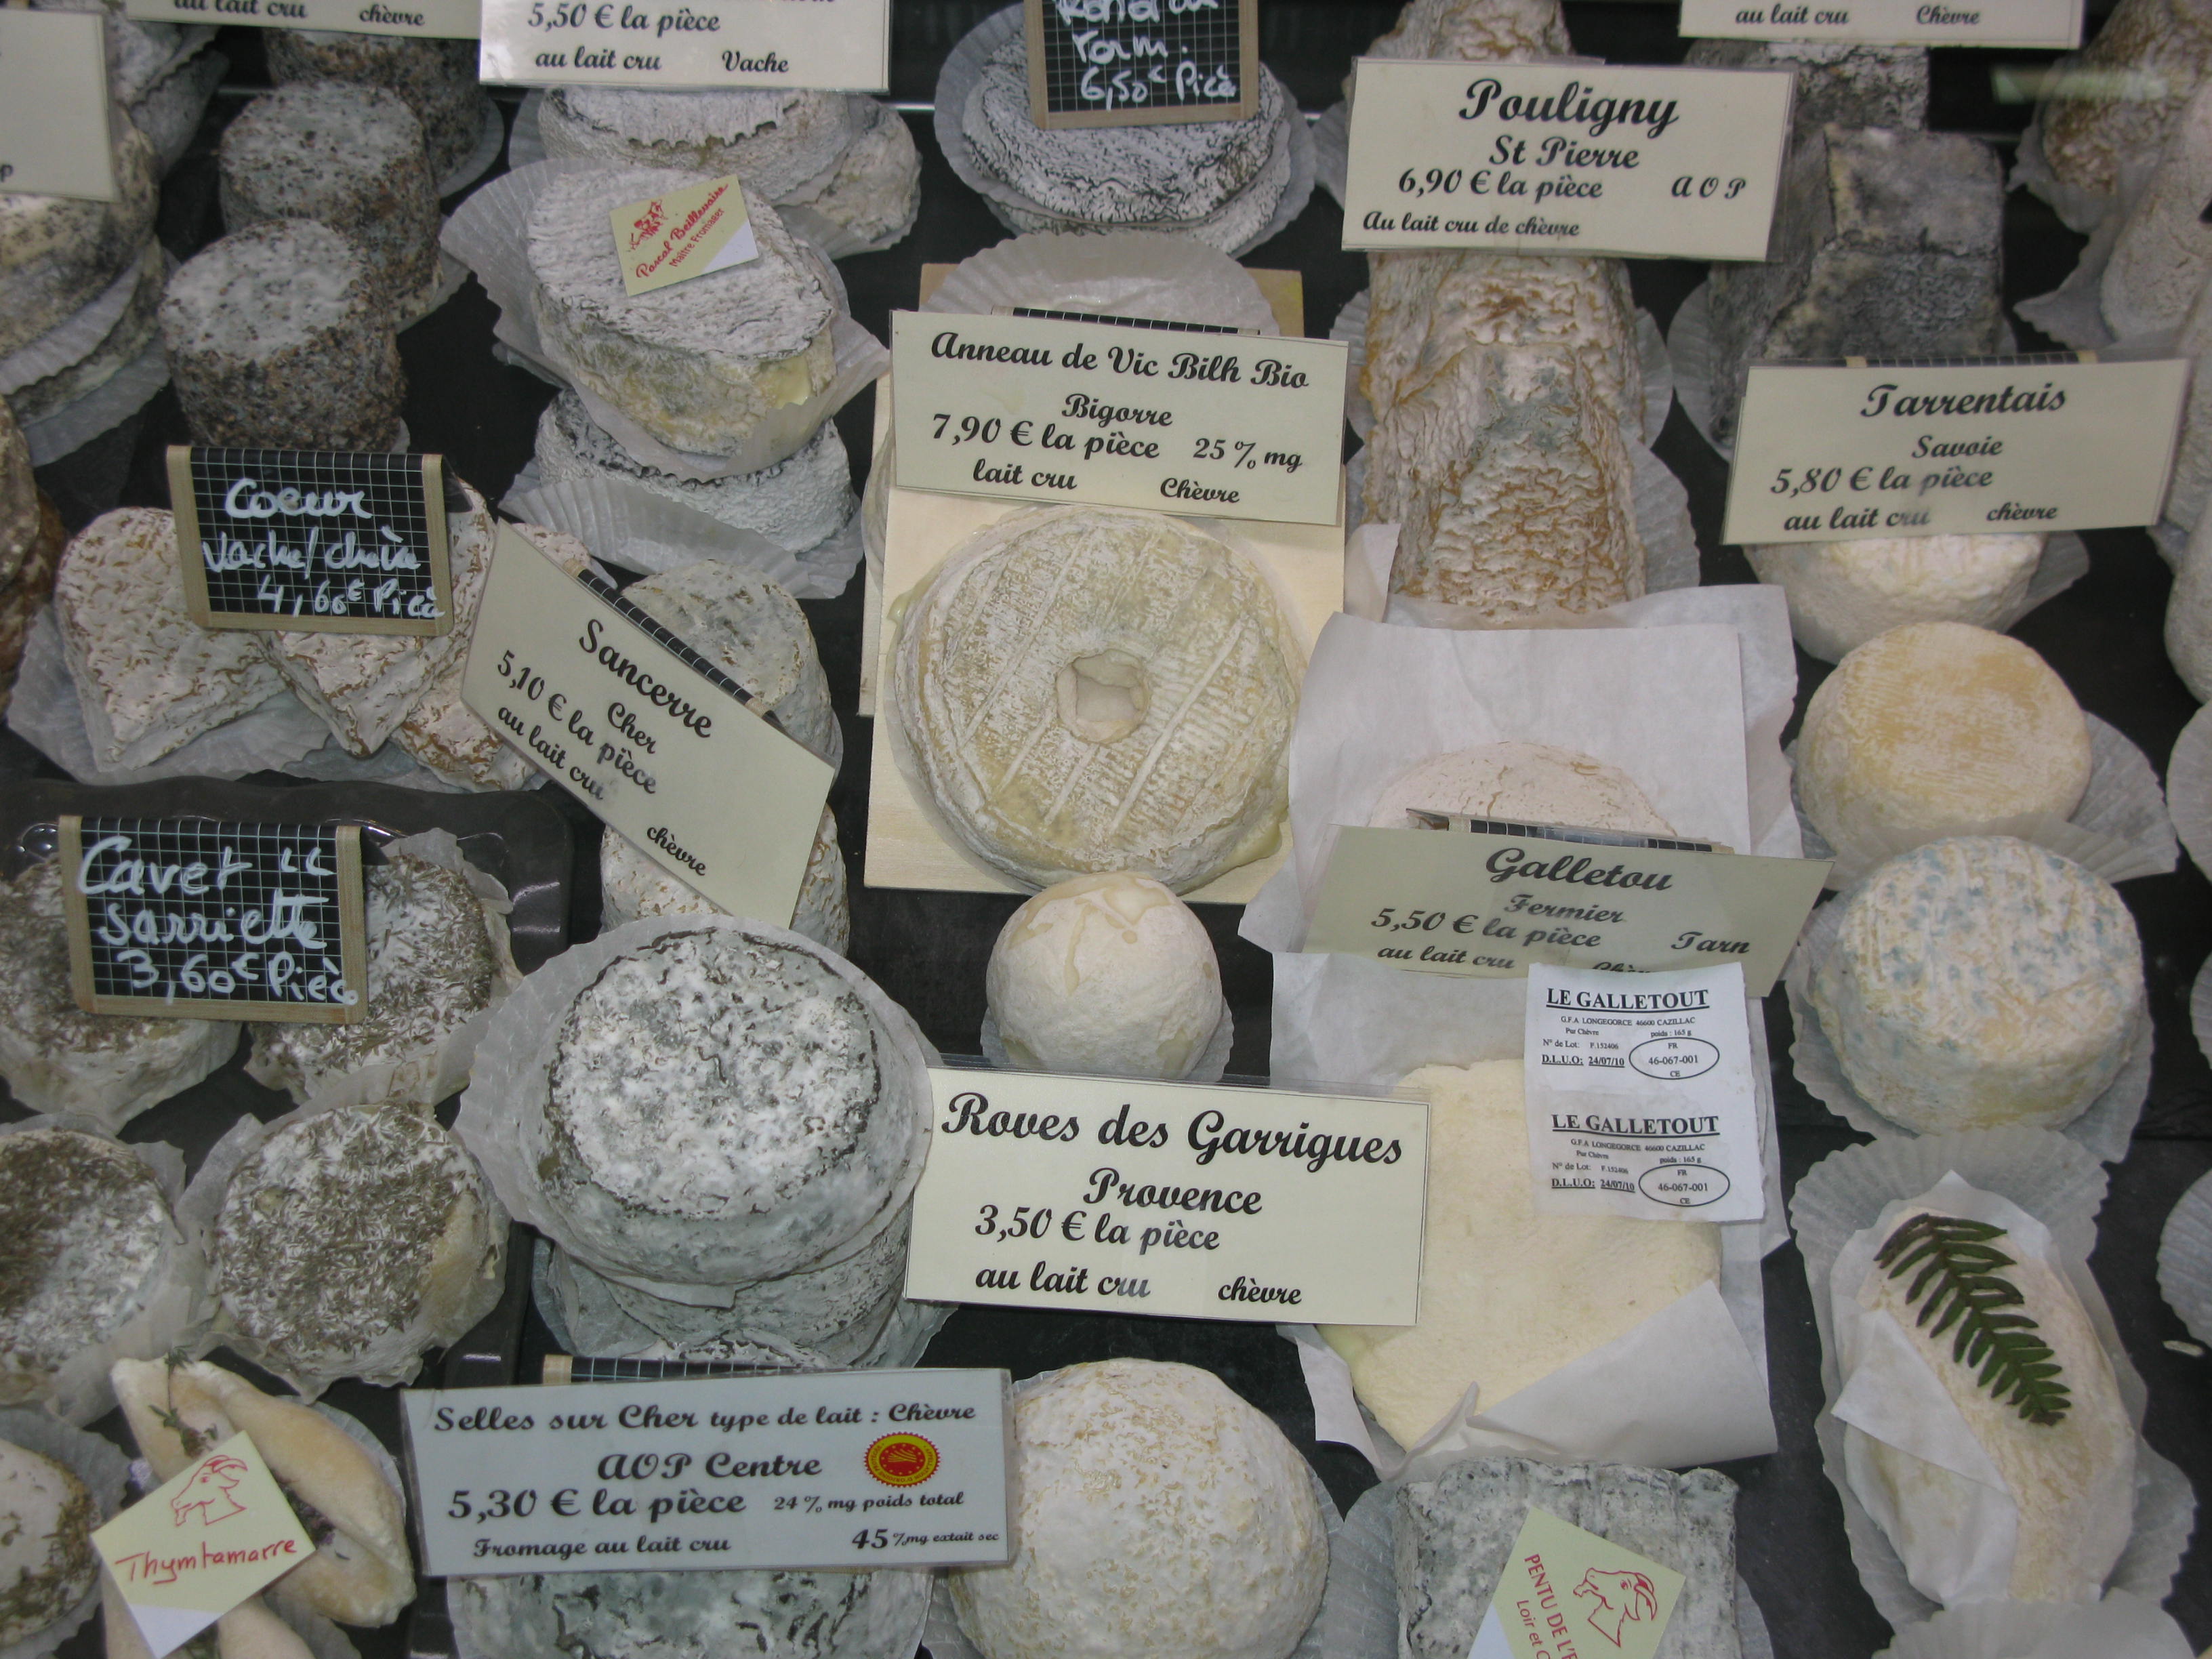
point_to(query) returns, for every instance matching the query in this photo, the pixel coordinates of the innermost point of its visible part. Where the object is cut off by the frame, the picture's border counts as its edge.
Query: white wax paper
(2121, 1627)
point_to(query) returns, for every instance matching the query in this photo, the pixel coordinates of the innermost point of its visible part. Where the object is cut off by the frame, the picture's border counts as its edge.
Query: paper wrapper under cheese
(2061, 1186)
(2121, 1627)
(490, 235)
(2184, 1254)
(362, 1574)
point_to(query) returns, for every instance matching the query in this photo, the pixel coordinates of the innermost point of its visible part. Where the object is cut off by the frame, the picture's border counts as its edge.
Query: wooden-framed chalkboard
(196, 919)
(1142, 62)
(312, 540)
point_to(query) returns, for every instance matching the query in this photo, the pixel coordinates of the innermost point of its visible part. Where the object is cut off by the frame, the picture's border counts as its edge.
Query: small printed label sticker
(202, 1543)
(685, 234)
(2047, 23)
(1568, 1593)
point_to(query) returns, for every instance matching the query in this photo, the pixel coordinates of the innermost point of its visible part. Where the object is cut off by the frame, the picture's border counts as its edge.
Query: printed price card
(1487, 900)
(1566, 158)
(842, 45)
(685, 234)
(313, 541)
(198, 1545)
(1890, 23)
(1977, 448)
(189, 918)
(447, 20)
(842, 1469)
(1119, 1195)
(1048, 411)
(1129, 63)
(1640, 1094)
(663, 746)
(53, 106)
(1567, 1594)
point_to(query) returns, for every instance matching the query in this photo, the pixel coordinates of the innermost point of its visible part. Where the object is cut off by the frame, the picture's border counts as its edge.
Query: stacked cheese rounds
(1843, 594)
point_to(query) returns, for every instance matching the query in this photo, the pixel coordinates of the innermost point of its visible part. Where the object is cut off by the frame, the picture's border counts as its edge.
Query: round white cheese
(1108, 972)
(1522, 783)
(776, 139)
(633, 884)
(47, 1566)
(1159, 1513)
(1938, 728)
(1979, 981)
(1842, 594)
(1088, 689)
(1507, 1296)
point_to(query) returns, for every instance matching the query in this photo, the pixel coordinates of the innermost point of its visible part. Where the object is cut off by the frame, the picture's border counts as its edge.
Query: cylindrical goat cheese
(1842, 594)
(438, 79)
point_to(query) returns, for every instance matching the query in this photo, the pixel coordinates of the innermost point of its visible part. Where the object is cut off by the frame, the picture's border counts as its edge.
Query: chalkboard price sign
(1141, 63)
(312, 540)
(195, 919)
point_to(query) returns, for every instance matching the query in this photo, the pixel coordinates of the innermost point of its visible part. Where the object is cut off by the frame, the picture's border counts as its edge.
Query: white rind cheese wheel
(633, 884)
(1507, 1296)
(1521, 783)
(1842, 594)
(1086, 689)
(1981, 981)
(1108, 972)
(698, 365)
(1159, 1514)
(47, 1564)
(1938, 728)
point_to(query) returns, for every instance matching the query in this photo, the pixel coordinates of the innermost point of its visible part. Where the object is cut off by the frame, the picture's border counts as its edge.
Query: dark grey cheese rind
(693, 1615)
(1453, 1535)
(279, 337)
(58, 253)
(85, 1239)
(350, 156)
(354, 1239)
(438, 79)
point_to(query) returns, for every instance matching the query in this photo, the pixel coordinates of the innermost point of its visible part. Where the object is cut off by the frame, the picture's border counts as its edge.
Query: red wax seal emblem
(902, 1460)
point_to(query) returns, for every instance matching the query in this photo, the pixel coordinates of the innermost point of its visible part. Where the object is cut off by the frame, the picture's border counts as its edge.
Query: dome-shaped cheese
(1109, 973)
(1842, 594)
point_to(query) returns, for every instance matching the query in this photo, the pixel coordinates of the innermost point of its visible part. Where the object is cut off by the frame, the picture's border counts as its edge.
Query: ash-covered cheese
(1429, 309)
(170, 110)
(47, 1564)
(1524, 783)
(1938, 727)
(134, 330)
(20, 514)
(719, 1110)
(1508, 1296)
(698, 365)
(149, 678)
(56, 1057)
(753, 631)
(279, 337)
(365, 686)
(1509, 480)
(633, 884)
(353, 1240)
(1453, 1535)
(1842, 594)
(432, 967)
(1086, 689)
(57, 252)
(1852, 83)
(1887, 243)
(1159, 1513)
(694, 1615)
(777, 139)
(2130, 87)
(438, 79)
(1217, 181)
(1980, 981)
(798, 503)
(1105, 973)
(350, 156)
(91, 1240)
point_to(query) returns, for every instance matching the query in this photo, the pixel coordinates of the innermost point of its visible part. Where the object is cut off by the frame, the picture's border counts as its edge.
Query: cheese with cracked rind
(1159, 1513)
(1522, 783)
(148, 678)
(1841, 594)
(1106, 972)
(1980, 981)
(1938, 727)
(699, 364)
(1090, 689)
(1508, 1296)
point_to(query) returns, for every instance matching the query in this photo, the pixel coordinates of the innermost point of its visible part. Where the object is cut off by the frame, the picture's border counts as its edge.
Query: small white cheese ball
(1159, 1514)
(1109, 973)
(1842, 594)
